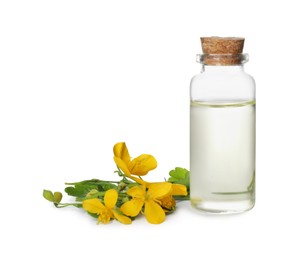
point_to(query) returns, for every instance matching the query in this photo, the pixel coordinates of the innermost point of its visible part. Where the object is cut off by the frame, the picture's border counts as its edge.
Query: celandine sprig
(129, 197)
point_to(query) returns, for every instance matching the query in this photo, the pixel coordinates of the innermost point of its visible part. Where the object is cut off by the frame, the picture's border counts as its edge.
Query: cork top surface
(222, 45)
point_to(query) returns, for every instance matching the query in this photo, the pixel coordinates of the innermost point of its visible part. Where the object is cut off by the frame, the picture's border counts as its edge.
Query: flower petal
(120, 150)
(110, 198)
(122, 165)
(179, 189)
(121, 218)
(93, 206)
(137, 192)
(159, 189)
(132, 207)
(153, 212)
(142, 164)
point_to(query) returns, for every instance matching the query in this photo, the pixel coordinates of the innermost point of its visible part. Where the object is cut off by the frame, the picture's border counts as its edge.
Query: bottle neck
(218, 69)
(222, 62)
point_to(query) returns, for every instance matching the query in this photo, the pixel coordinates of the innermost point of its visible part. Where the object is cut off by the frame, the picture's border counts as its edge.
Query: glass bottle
(222, 129)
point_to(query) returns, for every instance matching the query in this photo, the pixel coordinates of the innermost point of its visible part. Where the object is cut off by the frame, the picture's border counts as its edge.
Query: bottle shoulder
(227, 79)
(230, 86)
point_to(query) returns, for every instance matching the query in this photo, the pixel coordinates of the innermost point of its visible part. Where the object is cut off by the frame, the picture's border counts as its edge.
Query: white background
(78, 76)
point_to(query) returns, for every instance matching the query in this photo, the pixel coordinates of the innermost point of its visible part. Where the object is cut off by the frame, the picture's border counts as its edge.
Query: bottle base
(223, 207)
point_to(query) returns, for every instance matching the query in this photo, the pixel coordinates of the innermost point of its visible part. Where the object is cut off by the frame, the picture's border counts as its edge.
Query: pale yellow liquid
(222, 156)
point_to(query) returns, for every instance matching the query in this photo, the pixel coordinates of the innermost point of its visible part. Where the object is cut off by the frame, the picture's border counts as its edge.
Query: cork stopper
(222, 50)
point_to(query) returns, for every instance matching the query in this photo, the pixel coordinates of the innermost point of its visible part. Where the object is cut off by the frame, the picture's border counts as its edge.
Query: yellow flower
(106, 211)
(139, 166)
(168, 203)
(150, 199)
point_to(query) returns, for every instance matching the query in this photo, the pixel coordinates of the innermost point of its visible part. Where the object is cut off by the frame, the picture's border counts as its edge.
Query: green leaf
(94, 215)
(178, 173)
(48, 195)
(80, 190)
(71, 191)
(108, 186)
(180, 176)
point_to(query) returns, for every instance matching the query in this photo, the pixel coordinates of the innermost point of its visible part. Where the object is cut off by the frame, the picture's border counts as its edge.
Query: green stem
(121, 174)
(63, 205)
(94, 196)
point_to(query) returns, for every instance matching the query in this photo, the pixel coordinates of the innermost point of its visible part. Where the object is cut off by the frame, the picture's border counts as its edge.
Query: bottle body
(222, 140)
